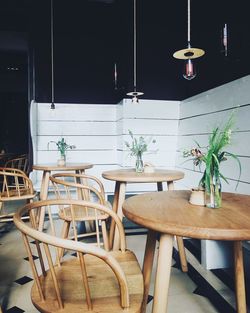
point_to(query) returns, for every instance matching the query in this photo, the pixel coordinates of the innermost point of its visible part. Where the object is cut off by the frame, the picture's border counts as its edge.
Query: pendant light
(52, 106)
(225, 40)
(189, 53)
(115, 76)
(135, 94)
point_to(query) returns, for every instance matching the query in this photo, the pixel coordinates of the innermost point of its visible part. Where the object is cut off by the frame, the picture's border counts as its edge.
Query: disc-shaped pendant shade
(135, 93)
(189, 53)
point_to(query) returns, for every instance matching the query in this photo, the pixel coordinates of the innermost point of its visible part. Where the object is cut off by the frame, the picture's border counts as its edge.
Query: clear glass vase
(139, 163)
(62, 160)
(213, 193)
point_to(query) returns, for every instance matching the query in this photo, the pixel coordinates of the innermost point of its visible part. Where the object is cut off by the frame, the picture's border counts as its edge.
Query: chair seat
(14, 194)
(80, 214)
(103, 284)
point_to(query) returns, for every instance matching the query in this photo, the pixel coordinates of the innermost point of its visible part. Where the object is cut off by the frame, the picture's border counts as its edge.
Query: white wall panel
(205, 123)
(62, 128)
(151, 127)
(159, 159)
(238, 145)
(152, 109)
(81, 142)
(77, 112)
(94, 157)
(226, 96)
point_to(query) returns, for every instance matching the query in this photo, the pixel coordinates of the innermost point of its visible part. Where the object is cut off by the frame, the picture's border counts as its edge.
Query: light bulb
(135, 100)
(189, 69)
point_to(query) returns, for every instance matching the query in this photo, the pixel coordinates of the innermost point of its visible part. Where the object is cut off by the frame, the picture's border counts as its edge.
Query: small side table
(79, 168)
(124, 176)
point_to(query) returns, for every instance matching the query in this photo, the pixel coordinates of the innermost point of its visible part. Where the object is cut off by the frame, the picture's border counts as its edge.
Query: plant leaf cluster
(62, 146)
(138, 145)
(214, 154)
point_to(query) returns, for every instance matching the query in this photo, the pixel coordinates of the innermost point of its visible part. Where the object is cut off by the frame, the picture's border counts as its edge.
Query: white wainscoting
(152, 119)
(98, 132)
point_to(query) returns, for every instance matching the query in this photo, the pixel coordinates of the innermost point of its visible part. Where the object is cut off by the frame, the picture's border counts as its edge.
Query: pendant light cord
(188, 13)
(134, 45)
(52, 54)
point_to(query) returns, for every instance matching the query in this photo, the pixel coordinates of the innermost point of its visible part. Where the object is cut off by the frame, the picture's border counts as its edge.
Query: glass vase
(62, 160)
(213, 193)
(139, 163)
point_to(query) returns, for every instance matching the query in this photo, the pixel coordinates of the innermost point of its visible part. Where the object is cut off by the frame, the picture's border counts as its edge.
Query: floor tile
(23, 280)
(15, 309)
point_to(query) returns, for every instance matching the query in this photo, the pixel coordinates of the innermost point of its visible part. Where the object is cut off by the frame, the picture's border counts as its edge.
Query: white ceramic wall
(153, 119)
(198, 115)
(99, 131)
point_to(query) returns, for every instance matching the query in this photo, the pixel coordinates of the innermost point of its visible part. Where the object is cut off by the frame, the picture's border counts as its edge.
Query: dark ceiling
(91, 36)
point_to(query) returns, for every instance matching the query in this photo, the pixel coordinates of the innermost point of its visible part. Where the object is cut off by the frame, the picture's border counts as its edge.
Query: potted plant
(137, 147)
(212, 156)
(62, 147)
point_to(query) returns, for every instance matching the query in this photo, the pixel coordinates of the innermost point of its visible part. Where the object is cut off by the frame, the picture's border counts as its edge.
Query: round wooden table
(79, 168)
(170, 213)
(124, 176)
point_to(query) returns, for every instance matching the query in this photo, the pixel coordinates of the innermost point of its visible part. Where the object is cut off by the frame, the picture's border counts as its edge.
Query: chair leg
(1, 206)
(148, 265)
(105, 236)
(64, 235)
(182, 254)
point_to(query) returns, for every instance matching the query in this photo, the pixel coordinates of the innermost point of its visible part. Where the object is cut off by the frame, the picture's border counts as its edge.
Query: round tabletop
(131, 176)
(66, 167)
(170, 212)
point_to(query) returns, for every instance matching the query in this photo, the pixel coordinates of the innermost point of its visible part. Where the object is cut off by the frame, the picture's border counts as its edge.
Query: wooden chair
(15, 186)
(21, 162)
(97, 281)
(82, 187)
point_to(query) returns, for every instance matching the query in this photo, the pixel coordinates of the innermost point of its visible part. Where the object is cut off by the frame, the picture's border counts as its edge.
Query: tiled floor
(198, 291)
(16, 278)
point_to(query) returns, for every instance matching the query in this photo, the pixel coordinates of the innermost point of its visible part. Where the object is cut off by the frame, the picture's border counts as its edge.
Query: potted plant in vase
(212, 157)
(62, 147)
(137, 147)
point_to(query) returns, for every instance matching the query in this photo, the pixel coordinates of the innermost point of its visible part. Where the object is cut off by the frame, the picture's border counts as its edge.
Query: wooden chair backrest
(52, 241)
(78, 186)
(21, 162)
(15, 185)
(88, 188)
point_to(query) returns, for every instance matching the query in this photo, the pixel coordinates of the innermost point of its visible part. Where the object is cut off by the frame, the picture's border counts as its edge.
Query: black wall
(90, 36)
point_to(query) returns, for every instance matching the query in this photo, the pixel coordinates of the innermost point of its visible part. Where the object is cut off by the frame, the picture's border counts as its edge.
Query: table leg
(163, 274)
(170, 185)
(180, 243)
(114, 208)
(159, 186)
(43, 196)
(239, 278)
(120, 190)
(147, 265)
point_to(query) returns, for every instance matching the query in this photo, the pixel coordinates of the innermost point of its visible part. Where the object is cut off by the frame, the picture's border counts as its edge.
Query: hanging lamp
(135, 94)
(52, 106)
(225, 39)
(189, 53)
